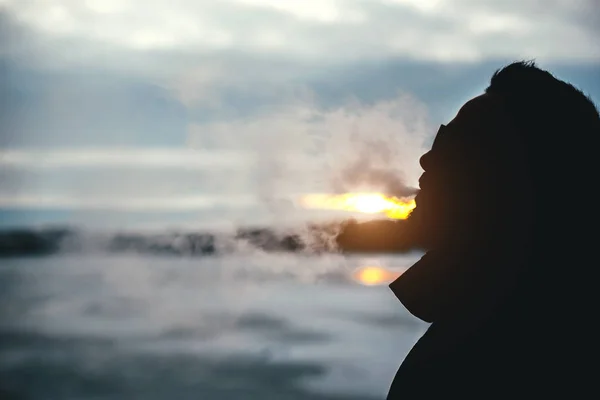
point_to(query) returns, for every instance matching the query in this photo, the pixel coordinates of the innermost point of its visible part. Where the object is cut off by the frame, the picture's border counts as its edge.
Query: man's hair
(554, 118)
(526, 78)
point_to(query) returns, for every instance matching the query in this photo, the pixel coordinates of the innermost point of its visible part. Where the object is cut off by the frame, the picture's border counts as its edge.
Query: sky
(157, 113)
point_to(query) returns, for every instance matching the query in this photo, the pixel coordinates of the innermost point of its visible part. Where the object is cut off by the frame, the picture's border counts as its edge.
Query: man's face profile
(451, 188)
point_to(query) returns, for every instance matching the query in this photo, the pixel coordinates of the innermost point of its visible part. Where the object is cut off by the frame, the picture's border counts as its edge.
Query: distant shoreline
(381, 236)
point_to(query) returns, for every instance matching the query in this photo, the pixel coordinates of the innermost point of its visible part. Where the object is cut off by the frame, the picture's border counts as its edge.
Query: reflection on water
(375, 275)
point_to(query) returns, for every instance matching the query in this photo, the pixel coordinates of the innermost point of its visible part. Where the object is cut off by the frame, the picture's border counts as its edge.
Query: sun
(368, 203)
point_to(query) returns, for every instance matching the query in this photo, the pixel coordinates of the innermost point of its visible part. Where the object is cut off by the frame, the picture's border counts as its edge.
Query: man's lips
(423, 181)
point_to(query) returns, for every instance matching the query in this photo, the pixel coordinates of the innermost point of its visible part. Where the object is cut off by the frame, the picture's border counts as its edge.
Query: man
(505, 190)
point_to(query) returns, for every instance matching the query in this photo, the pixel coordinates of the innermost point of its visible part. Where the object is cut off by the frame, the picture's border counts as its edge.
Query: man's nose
(425, 161)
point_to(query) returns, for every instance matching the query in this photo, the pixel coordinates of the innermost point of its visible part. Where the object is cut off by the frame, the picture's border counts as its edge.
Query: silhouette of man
(505, 188)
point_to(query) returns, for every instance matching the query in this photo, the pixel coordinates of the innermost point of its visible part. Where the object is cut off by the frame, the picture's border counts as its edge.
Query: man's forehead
(485, 109)
(481, 119)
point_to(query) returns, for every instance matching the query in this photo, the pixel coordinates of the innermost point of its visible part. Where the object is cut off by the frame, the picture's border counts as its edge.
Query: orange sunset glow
(374, 275)
(370, 203)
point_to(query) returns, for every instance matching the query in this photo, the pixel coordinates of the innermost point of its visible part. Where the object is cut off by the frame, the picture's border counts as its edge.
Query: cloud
(221, 58)
(320, 32)
(119, 158)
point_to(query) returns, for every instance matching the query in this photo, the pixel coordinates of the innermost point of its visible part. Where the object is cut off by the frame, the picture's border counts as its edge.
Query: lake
(252, 325)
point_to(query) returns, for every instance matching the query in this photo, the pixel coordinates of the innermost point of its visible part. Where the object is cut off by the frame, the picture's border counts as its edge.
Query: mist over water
(258, 326)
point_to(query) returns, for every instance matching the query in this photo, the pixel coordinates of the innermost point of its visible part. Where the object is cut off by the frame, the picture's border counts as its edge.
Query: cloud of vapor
(363, 174)
(379, 151)
(304, 148)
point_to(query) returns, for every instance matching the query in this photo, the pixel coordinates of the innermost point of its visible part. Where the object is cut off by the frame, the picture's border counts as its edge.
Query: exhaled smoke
(372, 166)
(379, 147)
(363, 174)
(304, 148)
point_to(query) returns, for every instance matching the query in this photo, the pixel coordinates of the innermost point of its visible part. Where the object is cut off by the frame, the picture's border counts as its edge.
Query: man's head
(505, 159)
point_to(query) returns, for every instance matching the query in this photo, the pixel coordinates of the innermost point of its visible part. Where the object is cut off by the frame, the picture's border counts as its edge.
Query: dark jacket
(494, 333)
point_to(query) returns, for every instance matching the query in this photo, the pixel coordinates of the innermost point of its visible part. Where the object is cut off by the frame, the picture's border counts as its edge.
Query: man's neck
(460, 281)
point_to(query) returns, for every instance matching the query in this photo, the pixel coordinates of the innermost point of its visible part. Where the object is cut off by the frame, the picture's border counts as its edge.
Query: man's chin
(419, 231)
